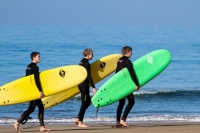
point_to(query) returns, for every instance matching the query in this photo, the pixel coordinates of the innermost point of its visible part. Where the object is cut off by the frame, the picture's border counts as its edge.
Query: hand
(137, 88)
(41, 95)
(94, 90)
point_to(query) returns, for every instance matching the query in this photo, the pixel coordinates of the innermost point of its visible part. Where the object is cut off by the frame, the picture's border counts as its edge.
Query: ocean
(173, 96)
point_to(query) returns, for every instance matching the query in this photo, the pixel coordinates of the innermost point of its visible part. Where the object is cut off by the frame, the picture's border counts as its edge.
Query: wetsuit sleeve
(37, 78)
(87, 66)
(117, 68)
(132, 72)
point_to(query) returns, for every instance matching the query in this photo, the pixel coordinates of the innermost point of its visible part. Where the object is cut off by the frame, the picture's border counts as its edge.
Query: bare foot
(16, 125)
(76, 121)
(80, 124)
(123, 123)
(42, 129)
(118, 125)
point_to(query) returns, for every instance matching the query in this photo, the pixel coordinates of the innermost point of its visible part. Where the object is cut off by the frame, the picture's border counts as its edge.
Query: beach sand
(192, 127)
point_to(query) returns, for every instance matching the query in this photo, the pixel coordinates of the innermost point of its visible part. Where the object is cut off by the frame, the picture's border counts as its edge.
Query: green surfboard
(121, 85)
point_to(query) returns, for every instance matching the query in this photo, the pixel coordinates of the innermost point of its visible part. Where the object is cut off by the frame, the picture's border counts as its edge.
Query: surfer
(32, 68)
(124, 62)
(84, 88)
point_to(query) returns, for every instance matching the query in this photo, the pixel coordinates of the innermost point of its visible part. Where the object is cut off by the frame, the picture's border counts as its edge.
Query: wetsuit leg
(86, 101)
(30, 109)
(131, 102)
(40, 111)
(120, 108)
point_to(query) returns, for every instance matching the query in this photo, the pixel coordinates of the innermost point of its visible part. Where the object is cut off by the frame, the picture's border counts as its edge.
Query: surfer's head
(127, 51)
(35, 57)
(88, 53)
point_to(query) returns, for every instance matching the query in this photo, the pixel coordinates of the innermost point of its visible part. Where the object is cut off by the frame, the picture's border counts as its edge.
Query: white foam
(132, 119)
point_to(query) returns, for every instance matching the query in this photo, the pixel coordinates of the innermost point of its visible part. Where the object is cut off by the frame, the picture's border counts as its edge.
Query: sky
(101, 12)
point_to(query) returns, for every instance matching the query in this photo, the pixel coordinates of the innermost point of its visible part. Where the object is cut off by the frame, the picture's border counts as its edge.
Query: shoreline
(159, 127)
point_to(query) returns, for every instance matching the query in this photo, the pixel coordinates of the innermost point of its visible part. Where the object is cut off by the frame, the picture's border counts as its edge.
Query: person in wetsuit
(32, 68)
(84, 87)
(122, 63)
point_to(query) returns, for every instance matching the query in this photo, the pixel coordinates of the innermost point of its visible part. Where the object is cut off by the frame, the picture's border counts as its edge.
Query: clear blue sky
(101, 12)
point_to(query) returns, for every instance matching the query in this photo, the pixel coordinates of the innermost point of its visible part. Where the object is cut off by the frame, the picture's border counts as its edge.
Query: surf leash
(26, 119)
(98, 121)
(32, 126)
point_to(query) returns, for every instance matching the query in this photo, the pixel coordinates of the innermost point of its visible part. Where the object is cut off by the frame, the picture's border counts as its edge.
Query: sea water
(173, 96)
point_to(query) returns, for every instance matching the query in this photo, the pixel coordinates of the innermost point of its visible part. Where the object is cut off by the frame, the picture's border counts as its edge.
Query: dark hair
(87, 52)
(126, 49)
(33, 54)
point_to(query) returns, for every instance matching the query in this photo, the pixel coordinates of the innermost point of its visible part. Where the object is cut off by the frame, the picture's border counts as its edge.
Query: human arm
(37, 81)
(132, 74)
(89, 77)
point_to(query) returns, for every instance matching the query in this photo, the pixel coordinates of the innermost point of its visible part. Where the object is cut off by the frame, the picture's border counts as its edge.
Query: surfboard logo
(62, 73)
(150, 59)
(102, 64)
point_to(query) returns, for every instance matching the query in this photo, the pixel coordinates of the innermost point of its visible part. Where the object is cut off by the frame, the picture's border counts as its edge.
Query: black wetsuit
(122, 63)
(33, 69)
(84, 89)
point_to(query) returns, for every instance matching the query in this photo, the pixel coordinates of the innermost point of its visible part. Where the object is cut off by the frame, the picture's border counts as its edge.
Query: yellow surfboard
(100, 69)
(52, 81)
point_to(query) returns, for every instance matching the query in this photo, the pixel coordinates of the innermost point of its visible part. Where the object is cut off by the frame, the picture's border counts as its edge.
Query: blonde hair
(87, 52)
(126, 49)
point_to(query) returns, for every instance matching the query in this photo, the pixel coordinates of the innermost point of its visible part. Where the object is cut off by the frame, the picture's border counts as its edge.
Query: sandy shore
(192, 127)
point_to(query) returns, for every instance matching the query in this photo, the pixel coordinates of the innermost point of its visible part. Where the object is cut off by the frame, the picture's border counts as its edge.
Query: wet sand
(178, 127)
